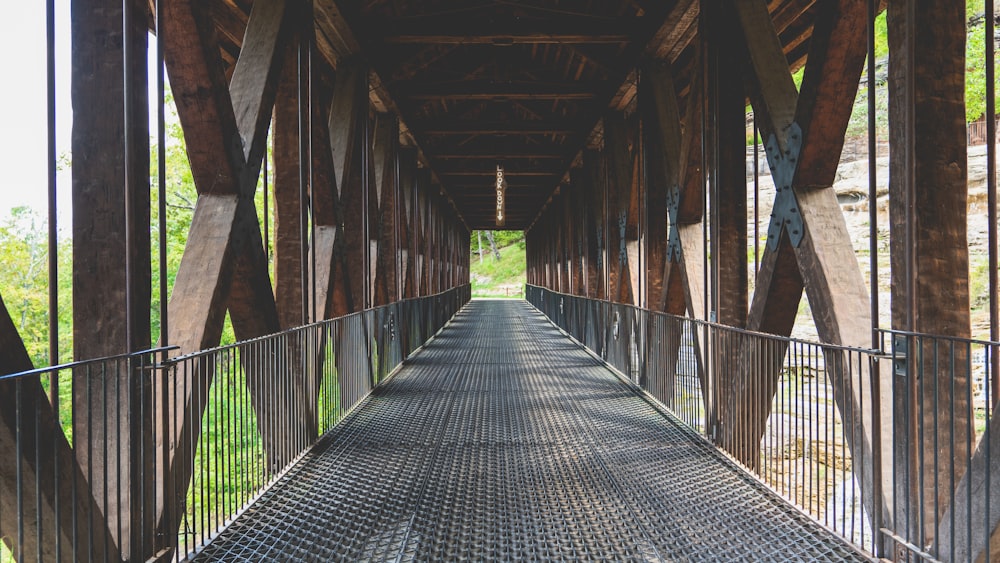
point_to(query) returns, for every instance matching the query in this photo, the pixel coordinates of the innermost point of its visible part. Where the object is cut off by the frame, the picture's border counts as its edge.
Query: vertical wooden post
(288, 206)
(111, 282)
(929, 247)
(386, 153)
(727, 162)
(616, 148)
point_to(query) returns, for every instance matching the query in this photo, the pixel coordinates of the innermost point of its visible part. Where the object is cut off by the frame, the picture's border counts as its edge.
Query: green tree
(24, 281)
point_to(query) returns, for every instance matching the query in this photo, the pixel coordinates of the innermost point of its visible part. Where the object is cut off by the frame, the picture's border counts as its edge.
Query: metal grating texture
(504, 440)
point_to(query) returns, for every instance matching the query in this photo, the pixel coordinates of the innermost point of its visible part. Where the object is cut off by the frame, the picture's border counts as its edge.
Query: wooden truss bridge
(649, 400)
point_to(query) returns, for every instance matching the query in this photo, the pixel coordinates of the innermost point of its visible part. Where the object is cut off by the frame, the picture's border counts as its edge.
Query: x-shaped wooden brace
(224, 265)
(823, 261)
(683, 289)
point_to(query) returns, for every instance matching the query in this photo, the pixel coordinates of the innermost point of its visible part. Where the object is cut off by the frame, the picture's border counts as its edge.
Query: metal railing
(199, 438)
(874, 444)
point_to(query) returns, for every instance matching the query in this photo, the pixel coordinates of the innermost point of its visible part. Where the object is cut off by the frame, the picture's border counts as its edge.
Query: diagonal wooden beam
(38, 460)
(347, 125)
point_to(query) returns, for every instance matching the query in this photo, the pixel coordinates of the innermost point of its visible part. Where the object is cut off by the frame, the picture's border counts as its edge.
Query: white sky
(23, 131)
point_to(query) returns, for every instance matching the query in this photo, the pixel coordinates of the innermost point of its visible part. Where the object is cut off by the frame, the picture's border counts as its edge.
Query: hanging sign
(501, 189)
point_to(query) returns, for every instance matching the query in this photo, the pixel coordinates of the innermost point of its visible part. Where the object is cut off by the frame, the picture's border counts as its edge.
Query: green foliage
(975, 61)
(24, 279)
(499, 278)
(507, 238)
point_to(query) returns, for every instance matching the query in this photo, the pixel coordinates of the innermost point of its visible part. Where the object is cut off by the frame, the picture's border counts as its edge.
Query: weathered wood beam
(726, 146)
(542, 153)
(655, 92)
(617, 146)
(498, 128)
(111, 280)
(407, 253)
(327, 248)
(347, 125)
(386, 154)
(289, 207)
(823, 258)
(224, 263)
(486, 90)
(39, 459)
(509, 38)
(593, 175)
(929, 254)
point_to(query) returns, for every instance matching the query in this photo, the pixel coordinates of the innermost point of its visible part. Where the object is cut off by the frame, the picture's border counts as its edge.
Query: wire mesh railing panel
(774, 404)
(147, 456)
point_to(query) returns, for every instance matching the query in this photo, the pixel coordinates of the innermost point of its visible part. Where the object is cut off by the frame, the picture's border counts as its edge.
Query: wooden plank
(34, 445)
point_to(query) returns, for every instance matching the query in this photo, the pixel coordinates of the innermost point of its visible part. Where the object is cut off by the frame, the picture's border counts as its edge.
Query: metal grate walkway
(503, 439)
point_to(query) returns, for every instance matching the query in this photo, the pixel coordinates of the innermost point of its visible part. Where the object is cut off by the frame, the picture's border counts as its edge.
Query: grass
(500, 278)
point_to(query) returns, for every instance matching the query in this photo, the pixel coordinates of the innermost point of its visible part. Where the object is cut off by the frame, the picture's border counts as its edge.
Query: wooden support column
(110, 280)
(420, 231)
(386, 153)
(562, 239)
(593, 188)
(407, 185)
(576, 224)
(674, 160)
(727, 162)
(930, 260)
(329, 252)
(619, 158)
(581, 230)
(654, 209)
(289, 230)
(35, 446)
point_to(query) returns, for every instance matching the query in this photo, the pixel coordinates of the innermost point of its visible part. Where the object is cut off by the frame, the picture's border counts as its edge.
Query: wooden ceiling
(516, 82)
